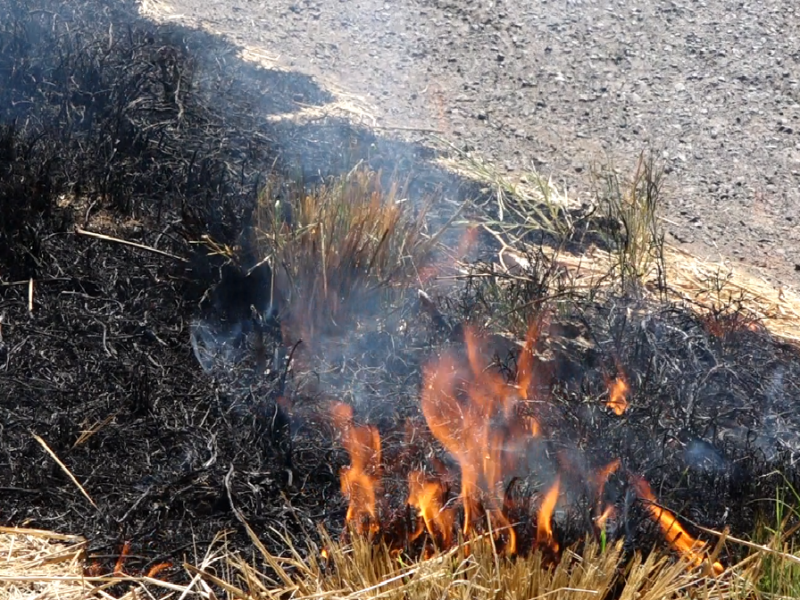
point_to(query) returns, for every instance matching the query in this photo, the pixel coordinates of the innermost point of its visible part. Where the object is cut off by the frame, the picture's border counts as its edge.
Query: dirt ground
(561, 85)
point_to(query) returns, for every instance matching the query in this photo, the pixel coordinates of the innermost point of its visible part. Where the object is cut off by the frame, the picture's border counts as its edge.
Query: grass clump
(341, 247)
(632, 232)
(780, 568)
(529, 206)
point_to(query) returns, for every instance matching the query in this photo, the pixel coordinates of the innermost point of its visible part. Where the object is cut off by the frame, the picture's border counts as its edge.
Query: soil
(714, 87)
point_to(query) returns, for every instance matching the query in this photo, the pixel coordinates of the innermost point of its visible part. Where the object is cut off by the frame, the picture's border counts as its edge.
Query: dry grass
(633, 233)
(41, 564)
(341, 248)
(532, 203)
(637, 253)
(38, 564)
(710, 289)
(475, 572)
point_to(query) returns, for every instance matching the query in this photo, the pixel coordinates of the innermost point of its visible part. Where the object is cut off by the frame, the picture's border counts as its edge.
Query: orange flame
(677, 537)
(544, 526)
(617, 395)
(474, 415)
(602, 477)
(361, 480)
(533, 426)
(607, 514)
(525, 368)
(604, 474)
(157, 568)
(428, 498)
(119, 566)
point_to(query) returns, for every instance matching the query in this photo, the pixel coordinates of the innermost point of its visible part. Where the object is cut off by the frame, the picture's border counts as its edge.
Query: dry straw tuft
(341, 247)
(475, 572)
(41, 564)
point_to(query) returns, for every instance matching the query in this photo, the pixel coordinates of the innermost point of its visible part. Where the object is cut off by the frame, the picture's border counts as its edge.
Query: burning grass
(43, 564)
(490, 427)
(361, 570)
(524, 474)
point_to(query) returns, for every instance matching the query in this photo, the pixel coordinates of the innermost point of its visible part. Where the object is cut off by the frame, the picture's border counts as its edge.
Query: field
(258, 342)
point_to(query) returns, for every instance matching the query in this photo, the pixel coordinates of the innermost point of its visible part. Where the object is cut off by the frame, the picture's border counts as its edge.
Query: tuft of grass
(533, 204)
(632, 230)
(338, 248)
(780, 569)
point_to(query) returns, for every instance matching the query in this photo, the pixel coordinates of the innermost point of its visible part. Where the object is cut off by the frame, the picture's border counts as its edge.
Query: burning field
(288, 357)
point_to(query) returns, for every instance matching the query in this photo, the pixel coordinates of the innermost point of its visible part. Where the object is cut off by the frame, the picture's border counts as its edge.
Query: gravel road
(560, 85)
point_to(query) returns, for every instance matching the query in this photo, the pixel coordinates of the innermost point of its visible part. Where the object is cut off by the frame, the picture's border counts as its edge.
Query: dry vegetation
(340, 247)
(42, 565)
(349, 242)
(620, 244)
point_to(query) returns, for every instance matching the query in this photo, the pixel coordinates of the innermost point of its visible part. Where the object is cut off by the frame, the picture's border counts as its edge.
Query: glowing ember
(157, 568)
(675, 534)
(361, 480)
(544, 526)
(119, 566)
(617, 395)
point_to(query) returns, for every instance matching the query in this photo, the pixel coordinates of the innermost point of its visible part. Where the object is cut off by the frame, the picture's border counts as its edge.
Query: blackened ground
(111, 123)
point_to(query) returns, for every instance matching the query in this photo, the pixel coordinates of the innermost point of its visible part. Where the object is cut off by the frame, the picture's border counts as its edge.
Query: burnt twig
(108, 238)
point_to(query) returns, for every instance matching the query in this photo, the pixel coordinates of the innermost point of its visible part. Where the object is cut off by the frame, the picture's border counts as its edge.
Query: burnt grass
(156, 134)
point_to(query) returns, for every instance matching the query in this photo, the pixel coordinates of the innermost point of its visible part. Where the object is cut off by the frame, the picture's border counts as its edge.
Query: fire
(483, 421)
(602, 477)
(607, 514)
(157, 568)
(428, 498)
(544, 526)
(362, 479)
(474, 414)
(617, 395)
(675, 534)
(525, 368)
(119, 566)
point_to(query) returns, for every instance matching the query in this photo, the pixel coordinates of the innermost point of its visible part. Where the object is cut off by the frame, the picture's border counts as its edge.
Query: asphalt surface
(712, 87)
